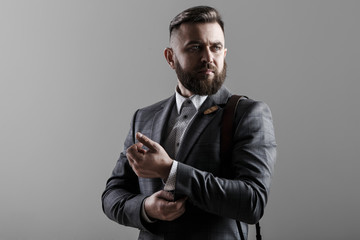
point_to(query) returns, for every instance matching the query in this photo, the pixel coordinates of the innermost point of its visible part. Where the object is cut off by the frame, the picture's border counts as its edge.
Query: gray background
(73, 72)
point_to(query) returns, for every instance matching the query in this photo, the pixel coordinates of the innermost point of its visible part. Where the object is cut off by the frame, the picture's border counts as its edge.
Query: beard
(203, 84)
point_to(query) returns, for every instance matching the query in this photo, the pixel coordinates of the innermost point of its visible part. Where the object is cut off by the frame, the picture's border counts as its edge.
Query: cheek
(220, 63)
(188, 63)
(184, 57)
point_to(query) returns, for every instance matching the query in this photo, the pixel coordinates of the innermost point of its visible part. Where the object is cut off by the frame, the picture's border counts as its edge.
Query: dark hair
(199, 14)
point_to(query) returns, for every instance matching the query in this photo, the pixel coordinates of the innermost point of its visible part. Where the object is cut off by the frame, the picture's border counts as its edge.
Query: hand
(152, 163)
(161, 205)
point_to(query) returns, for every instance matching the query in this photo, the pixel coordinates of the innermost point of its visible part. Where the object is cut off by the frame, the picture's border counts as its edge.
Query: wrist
(166, 171)
(144, 214)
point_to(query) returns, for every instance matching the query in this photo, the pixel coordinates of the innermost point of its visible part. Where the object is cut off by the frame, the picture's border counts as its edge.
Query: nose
(207, 56)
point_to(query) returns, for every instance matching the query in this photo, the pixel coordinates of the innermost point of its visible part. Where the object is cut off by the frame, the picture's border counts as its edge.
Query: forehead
(201, 32)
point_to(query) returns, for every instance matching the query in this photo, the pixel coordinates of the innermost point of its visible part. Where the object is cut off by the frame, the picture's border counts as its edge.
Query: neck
(183, 91)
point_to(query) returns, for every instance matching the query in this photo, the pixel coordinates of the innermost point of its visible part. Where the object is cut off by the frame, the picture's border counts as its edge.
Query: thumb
(146, 141)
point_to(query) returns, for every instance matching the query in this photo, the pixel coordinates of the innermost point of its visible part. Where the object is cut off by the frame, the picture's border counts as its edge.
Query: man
(168, 181)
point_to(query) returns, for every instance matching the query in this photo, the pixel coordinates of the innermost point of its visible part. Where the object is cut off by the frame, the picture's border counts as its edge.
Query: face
(197, 55)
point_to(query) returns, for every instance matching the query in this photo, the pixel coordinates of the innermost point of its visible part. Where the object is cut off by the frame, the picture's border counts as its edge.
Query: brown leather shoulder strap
(227, 125)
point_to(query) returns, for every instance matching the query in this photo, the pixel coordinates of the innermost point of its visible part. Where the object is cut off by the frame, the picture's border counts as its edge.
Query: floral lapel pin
(210, 110)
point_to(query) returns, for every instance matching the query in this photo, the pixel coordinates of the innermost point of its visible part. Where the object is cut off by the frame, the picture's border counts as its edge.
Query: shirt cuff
(171, 180)
(144, 215)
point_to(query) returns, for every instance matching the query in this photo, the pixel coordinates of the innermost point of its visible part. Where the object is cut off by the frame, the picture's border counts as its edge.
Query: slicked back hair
(199, 14)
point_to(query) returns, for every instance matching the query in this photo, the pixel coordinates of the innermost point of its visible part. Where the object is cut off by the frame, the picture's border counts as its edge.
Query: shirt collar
(197, 100)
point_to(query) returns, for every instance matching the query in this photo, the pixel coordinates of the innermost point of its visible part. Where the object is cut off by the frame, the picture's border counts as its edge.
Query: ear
(225, 51)
(169, 56)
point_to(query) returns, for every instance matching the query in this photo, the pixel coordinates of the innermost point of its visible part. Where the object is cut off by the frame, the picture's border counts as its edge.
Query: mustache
(207, 66)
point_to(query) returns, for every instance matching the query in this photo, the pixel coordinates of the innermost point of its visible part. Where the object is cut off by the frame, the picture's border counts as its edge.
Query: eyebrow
(200, 42)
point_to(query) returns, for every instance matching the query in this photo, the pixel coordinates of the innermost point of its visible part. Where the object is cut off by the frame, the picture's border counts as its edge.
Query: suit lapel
(201, 121)
(160, 119)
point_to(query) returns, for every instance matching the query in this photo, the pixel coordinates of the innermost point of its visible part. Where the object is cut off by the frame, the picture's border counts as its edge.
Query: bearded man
(168, 181)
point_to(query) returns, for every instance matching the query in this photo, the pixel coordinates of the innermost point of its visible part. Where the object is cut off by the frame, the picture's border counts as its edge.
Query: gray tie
(187, 112)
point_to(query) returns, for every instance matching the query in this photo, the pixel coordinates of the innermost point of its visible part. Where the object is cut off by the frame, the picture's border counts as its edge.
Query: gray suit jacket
(214, 202)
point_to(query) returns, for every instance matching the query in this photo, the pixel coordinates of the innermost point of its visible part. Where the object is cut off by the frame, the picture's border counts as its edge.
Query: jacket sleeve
(253, 157)
(121, 200)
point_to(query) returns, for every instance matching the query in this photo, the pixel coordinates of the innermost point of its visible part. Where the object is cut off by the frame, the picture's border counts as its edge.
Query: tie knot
(187, 106)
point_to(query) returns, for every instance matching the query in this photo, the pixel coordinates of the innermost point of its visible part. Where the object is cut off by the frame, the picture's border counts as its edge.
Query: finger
(173, 216)
(182, 200)
(132, 152)
(178, 205)
(146, 141)
(139, 148)
(132, 160)
(166, 195)
(175, 211)
(132, 163)
(176, 208)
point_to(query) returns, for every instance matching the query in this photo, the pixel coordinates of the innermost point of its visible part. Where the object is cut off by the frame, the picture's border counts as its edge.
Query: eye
(194, 48)
(217, 48)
